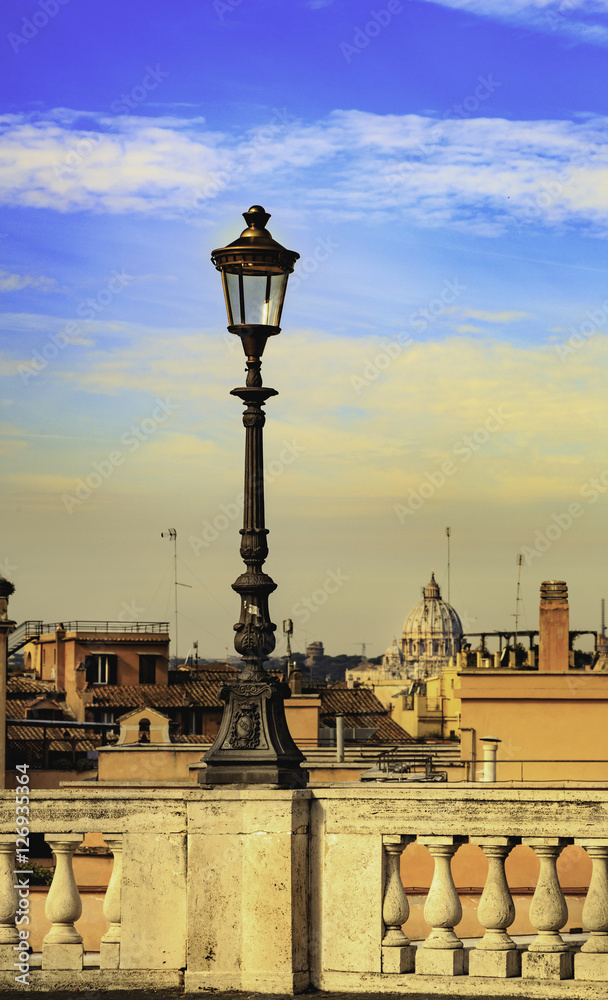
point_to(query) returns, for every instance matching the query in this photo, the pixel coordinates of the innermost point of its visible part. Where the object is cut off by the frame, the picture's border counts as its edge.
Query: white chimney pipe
(339, 738)
(490, 749)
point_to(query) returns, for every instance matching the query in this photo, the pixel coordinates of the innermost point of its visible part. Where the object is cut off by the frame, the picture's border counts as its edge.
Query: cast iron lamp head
(254, 269)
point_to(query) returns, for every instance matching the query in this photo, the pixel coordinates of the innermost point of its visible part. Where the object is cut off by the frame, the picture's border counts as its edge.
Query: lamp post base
(254, 745)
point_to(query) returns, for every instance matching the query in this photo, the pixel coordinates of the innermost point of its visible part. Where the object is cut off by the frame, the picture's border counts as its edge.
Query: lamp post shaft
(254, 638)
(254, 745)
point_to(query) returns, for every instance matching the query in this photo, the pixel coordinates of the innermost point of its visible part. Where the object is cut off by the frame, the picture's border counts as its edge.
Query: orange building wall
(302, 716)
(546, 717)
(45, 658)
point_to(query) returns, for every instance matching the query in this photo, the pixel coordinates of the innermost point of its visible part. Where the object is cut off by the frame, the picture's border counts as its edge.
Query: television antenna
(448, 532)
(517, 600)
(171, 534)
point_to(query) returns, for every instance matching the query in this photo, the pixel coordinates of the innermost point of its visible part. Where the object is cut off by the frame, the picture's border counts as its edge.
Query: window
(196, 721)
(147, 669)
(101, 668)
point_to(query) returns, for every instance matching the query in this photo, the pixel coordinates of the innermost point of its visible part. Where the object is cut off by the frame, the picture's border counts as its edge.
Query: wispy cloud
(377, 445)
(16, 282)
(482, 175)
(586, 20)
(497, 315)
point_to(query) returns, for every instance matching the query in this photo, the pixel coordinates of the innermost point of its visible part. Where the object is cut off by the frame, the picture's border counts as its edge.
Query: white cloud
(16, 282)
(468, 328)
(584, 19)
(497, 315)
(480, 174)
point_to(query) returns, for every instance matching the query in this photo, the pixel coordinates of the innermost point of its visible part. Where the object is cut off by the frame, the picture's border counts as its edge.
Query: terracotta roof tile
(361, 710)
(16, 708)
(196, 694)
(19, 686)
(192, 738)
(28, 735)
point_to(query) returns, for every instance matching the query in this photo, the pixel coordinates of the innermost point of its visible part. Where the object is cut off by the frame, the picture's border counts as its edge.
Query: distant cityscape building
(393, 661)
(432, 634)
(314, 653)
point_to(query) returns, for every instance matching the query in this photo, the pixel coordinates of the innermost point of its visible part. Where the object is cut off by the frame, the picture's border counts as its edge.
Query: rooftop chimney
(553, 627)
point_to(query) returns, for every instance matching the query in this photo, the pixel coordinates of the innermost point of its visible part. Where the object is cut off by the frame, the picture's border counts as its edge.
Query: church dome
(432, 631)
(392, 661)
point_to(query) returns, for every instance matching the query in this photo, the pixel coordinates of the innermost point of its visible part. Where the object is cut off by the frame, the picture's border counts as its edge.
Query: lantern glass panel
(254, 298)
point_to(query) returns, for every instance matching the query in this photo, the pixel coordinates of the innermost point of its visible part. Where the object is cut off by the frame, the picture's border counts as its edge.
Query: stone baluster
(442, 954)
(110, 942)
(9, 901)
(397, 952)
(496, 954)
(548, 956)
(62, 947)
(592, 961)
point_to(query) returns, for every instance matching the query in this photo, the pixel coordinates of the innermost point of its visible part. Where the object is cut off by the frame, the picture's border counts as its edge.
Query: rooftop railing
(33, 629)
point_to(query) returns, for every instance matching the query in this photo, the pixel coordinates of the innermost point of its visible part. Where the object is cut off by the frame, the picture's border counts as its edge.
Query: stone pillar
(62, 947)
(442, 954)
(497, 660)
(248, 893)
(397, 952)
(9, 900)
(553, 625)
(592, 961)
(548, 956)
(110, 942)
(496, 954)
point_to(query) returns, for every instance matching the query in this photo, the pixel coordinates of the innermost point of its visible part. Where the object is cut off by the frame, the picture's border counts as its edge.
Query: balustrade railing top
(271, 890)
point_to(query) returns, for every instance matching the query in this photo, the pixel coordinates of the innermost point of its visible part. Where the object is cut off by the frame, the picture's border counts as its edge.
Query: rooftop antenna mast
(517, 600)
(288, 631)
(172, 534)
(448, 533)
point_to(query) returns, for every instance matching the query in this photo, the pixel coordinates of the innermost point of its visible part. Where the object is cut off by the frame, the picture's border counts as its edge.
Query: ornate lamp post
(253, 744)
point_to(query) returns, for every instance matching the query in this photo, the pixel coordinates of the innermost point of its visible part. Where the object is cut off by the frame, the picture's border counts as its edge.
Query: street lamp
(253, 745)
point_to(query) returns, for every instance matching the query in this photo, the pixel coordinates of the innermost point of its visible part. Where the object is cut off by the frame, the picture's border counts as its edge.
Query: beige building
(430, 707)
(550, 722)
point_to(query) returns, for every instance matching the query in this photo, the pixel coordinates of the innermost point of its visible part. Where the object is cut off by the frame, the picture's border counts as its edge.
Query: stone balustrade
(273, 890)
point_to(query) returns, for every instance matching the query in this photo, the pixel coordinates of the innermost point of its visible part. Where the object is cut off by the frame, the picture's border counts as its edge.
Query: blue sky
(441, 166)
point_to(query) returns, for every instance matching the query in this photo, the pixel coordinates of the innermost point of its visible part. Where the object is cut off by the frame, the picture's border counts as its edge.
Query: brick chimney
(553, 627)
